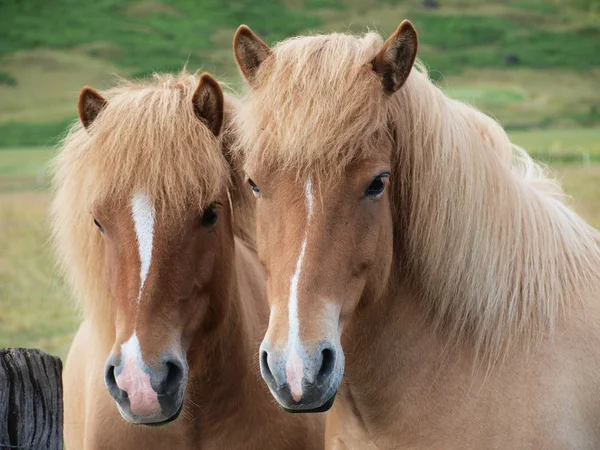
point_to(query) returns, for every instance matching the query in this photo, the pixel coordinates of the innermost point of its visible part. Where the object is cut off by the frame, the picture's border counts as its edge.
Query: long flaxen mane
(147, 138)
(483, 236)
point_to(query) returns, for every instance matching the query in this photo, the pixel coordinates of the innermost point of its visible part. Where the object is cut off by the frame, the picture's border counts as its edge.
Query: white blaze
(294, 324)
(131, 351)
(143, 220)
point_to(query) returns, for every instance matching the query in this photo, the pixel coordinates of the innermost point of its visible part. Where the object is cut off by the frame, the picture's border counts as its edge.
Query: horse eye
(377, 186)
(209, 217)
(254, 187)
(99, 226)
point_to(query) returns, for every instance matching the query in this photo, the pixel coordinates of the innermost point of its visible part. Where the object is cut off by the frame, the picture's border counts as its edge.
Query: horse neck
(481, 233)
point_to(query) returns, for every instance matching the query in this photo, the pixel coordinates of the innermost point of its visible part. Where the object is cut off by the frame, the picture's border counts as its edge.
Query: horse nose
(144, 393)
(301, 379)
(272, 369)
(175, 374)
(328, 357)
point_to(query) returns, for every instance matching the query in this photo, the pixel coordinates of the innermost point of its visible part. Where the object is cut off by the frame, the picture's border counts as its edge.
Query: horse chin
(160, 423)
(323, 408)
(165, 422)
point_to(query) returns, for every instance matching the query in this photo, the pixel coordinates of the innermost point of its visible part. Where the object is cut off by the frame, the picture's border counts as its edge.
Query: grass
(49, 50)
(24, 169)
(530, 98)
(35, 308)
(148, 35)
(579, 146)
(6, 79)
(583, 185)
(48, 85)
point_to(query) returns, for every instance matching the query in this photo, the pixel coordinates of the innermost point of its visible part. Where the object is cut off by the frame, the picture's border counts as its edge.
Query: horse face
(162, 274)
(162, 255)
(328, 246)
(325, 246)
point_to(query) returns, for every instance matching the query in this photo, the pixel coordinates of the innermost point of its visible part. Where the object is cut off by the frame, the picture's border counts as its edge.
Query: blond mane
(483, 236)
(149, 138)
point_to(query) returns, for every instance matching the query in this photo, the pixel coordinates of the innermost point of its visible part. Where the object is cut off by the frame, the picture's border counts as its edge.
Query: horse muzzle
(303, 381)
(149, 395)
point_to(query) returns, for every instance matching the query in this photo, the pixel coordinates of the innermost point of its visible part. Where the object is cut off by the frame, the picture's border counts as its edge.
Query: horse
(420, 266)
(156, 238)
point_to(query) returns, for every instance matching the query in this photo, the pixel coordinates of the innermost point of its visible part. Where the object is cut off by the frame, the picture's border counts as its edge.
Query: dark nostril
(174, 378)
(264, 365)
(327, 365)
(109, 376)
(111, 383)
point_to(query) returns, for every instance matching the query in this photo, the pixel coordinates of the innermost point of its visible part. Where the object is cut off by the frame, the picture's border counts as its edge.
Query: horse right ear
(395, 60)
(250, 52)
(89, 105)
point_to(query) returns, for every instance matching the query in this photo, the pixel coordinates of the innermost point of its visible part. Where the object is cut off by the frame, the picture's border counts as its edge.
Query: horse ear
(89, 105)
(250, 52)
(395, 60)
(208, 103)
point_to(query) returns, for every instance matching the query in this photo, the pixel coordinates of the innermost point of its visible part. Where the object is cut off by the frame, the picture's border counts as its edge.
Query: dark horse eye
(377, 186)
(254, 187)
(99, 226)
(209, 217)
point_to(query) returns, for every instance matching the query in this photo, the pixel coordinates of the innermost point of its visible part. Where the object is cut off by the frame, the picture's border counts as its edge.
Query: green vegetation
(30, 134)
(578, 146)
(48, 50)
(7, 79)
(147, 35)
(35, 308)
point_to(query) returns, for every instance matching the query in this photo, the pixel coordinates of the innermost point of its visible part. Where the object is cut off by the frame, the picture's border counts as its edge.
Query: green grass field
(49, 50)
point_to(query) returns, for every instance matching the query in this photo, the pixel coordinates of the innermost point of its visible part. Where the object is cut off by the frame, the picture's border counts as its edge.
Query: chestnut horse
(156, 238)
(412, 249)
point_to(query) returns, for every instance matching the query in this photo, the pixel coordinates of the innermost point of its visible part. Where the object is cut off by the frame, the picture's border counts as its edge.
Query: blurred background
(534, 65)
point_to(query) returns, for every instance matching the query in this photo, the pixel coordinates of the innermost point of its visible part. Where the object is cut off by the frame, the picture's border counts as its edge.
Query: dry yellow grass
(35, 309)
(583, 185)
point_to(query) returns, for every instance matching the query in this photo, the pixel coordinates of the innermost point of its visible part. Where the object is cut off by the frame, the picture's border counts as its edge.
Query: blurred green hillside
(529, 63)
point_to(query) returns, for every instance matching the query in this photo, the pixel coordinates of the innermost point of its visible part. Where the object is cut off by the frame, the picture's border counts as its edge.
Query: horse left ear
(208, 103)
(395, 60)
(90, 104)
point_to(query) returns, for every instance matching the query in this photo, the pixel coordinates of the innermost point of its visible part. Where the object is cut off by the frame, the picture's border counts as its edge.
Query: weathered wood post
(31, 407)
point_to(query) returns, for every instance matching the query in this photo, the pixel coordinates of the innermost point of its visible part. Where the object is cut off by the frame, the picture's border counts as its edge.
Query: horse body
(173, 296)
(420, 394)
(410, 247)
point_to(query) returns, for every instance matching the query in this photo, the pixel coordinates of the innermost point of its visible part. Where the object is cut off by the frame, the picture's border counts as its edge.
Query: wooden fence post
(31, 407)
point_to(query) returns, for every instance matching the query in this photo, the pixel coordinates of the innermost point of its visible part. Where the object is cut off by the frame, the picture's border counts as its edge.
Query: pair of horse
(404, 244)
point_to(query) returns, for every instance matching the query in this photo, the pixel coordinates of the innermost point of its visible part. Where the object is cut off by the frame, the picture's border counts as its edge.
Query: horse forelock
(149, 139)
(326, 111)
